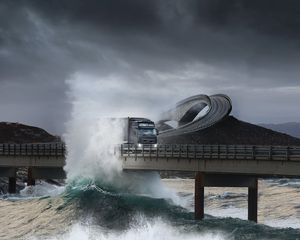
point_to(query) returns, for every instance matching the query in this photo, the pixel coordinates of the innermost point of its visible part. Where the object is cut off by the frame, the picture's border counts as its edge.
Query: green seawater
(119, 211)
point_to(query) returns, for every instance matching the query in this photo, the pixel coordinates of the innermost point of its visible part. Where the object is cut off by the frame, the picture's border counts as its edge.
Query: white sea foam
(148, 230)
(41, 189)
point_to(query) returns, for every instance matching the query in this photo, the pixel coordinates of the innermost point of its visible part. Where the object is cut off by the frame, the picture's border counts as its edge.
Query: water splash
(92, 137)
(91, 144)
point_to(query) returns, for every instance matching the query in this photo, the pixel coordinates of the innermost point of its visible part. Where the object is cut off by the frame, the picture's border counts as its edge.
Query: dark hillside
(19, 133)
(234, 131)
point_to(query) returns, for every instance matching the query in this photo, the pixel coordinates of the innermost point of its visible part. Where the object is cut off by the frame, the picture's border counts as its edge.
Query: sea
(89, 209)
(99, 201)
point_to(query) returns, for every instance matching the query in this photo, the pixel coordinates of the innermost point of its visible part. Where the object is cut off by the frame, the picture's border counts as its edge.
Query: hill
(233, 131)
(291, 128)
(20, 133)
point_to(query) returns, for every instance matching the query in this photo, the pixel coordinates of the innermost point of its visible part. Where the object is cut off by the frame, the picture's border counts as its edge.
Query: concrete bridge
(213, 165)
(217, 166)
(42, 161)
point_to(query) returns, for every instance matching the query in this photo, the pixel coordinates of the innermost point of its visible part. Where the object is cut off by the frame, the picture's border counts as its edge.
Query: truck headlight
(155, 145)
(140, 145)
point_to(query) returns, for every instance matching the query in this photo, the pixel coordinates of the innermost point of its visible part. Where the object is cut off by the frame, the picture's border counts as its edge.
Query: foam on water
(146, 230)
(42, 189)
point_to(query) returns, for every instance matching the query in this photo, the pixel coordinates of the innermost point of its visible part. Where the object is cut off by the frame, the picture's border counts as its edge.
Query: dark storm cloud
(246, 44)
(161, 33)
(275, 17)
(122, 15)
(280, 18)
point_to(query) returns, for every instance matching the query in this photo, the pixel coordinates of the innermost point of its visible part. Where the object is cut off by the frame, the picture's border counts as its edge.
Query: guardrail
(238, 152)
(33, 149)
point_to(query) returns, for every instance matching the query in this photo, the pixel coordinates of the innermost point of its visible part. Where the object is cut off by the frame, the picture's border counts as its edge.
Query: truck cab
(141, 131)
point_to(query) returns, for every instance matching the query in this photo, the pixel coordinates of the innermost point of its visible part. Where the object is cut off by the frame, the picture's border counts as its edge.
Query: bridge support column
(12, 185)
(30, 179)
(199, 196)
(225, 180)
(12, 182)
(252, 202)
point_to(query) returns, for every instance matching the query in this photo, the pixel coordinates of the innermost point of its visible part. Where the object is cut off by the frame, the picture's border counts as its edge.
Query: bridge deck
(239, 159)
(32, 155)
(42, 160)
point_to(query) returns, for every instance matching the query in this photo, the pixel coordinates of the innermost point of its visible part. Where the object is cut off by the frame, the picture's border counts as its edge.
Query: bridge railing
(239, 152)
(33, 149)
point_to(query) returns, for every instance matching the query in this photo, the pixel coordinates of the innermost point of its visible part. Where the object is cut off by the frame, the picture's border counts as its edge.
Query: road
(212, 109)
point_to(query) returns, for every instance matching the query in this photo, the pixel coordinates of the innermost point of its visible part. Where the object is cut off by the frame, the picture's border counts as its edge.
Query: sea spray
(95, 157)
(91, 149)
(93, 135)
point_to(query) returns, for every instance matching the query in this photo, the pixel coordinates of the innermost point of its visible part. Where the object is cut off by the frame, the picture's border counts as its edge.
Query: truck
(139, 131)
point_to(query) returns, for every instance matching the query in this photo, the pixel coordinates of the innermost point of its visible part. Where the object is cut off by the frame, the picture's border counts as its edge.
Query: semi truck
(139, 131)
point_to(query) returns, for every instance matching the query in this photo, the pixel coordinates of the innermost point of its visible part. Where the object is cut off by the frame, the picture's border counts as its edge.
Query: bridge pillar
(30, 179)
(12, 182)
(199, 196)
(252, 202)
(225, 180)
(12, 185)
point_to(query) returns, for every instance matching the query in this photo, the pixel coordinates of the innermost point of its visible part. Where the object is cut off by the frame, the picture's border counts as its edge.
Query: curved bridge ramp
(194, 114)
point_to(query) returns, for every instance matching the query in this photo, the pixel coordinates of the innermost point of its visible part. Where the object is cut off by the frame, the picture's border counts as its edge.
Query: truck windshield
(148, 131)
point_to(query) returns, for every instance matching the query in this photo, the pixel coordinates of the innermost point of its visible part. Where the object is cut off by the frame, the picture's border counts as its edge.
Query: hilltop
(233, 131)
(20, 133)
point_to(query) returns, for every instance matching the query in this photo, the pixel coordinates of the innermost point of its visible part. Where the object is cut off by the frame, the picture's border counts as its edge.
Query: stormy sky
(133, 57)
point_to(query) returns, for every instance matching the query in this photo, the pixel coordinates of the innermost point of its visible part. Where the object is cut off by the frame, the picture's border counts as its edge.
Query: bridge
(213, 165)
(42, 161)
(216, 166)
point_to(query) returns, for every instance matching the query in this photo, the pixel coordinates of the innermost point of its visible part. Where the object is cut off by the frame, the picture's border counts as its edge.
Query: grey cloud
(157, 34)
(121, 15)
(238, 44)
(274, 17)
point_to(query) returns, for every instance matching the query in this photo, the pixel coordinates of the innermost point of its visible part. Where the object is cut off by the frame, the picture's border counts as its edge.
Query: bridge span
(213, 165)
(261, 161)
(217, 166)
(41, 160)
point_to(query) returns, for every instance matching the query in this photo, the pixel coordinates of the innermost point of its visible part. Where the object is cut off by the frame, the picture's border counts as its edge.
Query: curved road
(215, 108)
